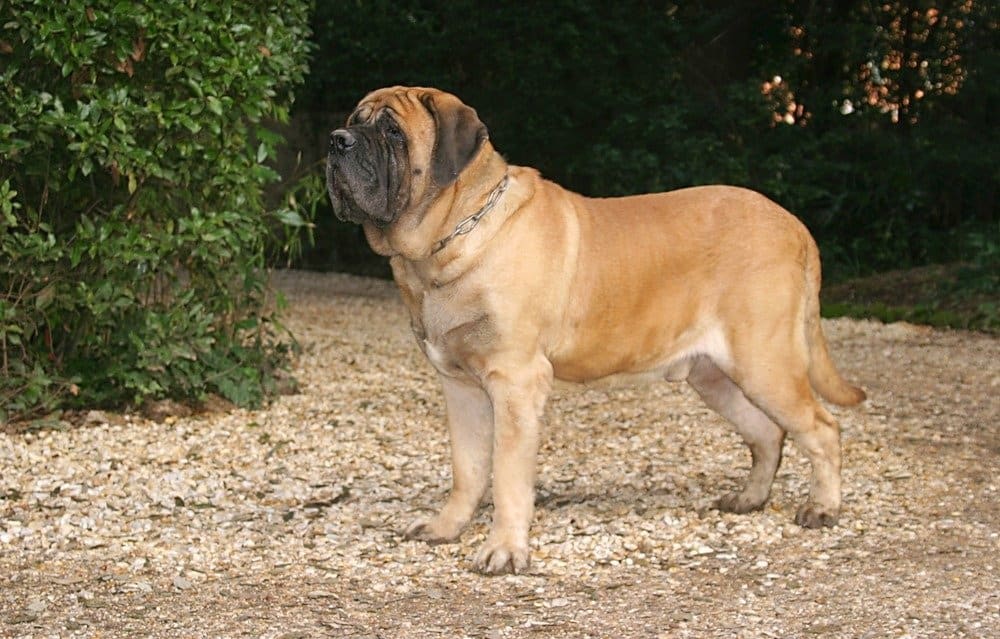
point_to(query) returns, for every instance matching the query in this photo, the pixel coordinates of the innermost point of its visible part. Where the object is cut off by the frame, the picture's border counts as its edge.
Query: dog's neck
(468, 224)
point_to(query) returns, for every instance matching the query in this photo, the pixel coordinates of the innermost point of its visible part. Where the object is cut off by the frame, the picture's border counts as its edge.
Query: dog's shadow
(664, 493)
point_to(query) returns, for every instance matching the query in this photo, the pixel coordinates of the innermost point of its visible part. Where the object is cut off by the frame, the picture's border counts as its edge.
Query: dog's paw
(739, 503)
(433, 530)
(499, 555)
(813, 515)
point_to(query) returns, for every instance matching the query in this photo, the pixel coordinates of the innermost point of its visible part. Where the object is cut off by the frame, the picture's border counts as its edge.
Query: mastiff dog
(514, 283)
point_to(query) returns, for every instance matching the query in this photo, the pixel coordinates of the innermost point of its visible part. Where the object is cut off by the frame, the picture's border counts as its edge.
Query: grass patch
(941, 295)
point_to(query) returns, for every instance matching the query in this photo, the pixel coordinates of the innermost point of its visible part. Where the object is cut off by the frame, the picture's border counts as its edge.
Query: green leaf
(196, 87)
(290, 217)
(214, 105)
(45, 296)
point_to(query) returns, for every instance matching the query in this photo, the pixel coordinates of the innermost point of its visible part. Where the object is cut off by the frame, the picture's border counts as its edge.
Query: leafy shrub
(132, 224)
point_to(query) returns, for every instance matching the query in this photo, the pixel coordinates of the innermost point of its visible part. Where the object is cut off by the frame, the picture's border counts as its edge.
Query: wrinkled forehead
(411, 108)
(407, 102)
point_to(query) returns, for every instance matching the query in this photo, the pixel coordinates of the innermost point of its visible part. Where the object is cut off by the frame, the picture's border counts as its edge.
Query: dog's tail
(823, 375)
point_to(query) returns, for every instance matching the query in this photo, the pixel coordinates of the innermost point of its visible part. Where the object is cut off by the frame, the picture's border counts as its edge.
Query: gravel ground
(286, 522)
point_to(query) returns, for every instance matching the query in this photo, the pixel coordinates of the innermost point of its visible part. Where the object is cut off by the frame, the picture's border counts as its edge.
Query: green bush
(132, 223)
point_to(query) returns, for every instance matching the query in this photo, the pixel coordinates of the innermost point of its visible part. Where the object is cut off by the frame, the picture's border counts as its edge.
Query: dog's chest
(452, 332)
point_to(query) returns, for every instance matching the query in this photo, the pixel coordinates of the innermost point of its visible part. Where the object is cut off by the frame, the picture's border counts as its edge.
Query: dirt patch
(285, 522)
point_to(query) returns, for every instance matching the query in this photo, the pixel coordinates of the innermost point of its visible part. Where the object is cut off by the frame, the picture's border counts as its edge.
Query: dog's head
(399, 149)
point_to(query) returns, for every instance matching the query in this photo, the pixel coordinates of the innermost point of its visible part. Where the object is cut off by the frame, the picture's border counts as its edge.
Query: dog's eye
(392, 129)
(360, 116)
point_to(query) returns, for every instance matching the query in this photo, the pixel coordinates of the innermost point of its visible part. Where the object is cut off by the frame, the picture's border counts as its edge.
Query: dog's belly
(671, 361)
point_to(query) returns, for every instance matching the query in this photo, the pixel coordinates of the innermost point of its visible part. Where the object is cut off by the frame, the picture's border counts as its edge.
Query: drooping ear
(459, 135)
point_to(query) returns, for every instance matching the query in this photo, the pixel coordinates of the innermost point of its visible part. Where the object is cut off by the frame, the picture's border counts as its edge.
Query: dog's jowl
(513, 283)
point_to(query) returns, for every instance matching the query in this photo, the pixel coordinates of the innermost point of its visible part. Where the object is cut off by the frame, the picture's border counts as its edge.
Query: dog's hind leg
(761, 434)
(772, 374)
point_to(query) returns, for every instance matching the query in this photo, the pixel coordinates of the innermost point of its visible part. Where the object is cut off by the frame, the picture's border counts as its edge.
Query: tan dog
(513, 282)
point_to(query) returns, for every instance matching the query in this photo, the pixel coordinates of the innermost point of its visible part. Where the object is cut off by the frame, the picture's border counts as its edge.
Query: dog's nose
(341, 140)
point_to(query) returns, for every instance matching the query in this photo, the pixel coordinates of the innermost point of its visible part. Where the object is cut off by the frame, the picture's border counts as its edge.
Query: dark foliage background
(624, 97)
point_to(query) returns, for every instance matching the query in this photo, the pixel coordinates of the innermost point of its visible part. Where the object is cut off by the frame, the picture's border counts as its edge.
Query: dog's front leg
(518, 396)
(470, 427)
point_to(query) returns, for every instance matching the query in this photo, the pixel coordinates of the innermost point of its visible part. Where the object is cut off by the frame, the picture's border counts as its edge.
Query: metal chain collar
(469, 223)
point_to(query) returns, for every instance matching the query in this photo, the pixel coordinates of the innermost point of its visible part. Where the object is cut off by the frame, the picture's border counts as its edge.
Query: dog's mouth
(356, 194)
(337, 187)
